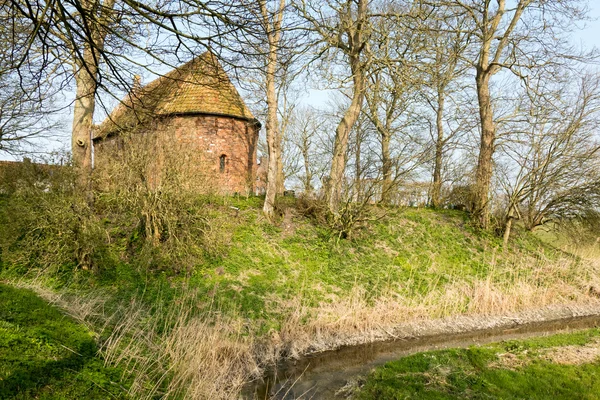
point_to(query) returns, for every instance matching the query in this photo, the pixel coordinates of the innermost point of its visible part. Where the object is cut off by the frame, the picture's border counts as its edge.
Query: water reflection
(327, 375)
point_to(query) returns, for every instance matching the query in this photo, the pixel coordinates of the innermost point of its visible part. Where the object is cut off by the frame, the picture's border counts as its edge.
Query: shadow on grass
(44, 354)
(27, 379)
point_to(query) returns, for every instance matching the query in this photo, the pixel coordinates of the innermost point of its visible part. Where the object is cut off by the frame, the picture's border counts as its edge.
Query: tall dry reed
(180, 355)
(520, 285)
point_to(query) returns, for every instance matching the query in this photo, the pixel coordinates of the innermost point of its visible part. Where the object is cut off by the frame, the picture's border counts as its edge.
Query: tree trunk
(274, 166)
(342, 132)
(83, 114)
(273, 145)
(507, 231)
(439, 145)
(386, 187)
(358, 186)
(307, 172)
(86, 77)
(509, 221)
(483, 176)
(280, 175)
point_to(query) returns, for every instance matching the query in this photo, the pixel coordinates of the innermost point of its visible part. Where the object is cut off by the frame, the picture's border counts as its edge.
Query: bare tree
(447, 40)
(25, 114)
(98, 18)
(342, 25)
(289, 102)
(552, 158)
(517, 36)
(304, 161)
(26, 104)
(393, 78)
(271, 21)
(365, 173)
(97, 43)
(26, 93)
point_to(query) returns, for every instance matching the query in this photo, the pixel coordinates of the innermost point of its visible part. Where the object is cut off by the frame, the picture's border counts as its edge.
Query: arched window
(222, 160)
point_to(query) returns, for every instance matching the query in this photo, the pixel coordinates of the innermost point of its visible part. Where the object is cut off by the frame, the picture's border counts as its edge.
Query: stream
(321, 376)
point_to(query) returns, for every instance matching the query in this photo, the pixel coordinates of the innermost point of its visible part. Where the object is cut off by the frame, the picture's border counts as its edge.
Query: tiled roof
(200, 86)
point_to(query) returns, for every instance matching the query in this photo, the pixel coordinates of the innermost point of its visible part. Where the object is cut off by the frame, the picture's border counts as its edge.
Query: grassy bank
(565, 366)
(249, 291)
(46, 355)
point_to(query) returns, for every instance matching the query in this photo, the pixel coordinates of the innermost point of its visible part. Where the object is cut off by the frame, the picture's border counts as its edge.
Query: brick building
(195, 112)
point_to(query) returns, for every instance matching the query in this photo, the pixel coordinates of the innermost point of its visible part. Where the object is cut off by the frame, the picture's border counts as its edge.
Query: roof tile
(200, 86)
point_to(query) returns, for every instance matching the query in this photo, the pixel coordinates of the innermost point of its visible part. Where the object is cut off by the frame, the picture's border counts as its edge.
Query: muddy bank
(332, 374)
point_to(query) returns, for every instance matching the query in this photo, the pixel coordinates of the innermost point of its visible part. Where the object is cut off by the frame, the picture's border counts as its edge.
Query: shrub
(46, 222)
(49, 226)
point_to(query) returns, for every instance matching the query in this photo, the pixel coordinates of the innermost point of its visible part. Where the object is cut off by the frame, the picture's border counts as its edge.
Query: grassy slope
(46, 355)
(408, 253)
(475, 373)
(260, 271)
(257, 267)
(253, 279)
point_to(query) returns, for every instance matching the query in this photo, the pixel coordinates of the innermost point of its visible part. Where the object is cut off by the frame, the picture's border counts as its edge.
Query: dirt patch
(574, 355)
(511, 361)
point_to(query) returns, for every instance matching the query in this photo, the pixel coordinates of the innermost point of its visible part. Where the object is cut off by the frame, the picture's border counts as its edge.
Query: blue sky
(590, 36)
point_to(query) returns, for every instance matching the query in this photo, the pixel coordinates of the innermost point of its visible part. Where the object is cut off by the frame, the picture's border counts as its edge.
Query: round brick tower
(196, 111)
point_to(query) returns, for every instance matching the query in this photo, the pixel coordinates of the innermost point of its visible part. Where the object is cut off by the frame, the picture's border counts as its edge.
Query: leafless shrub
(163, 187)
(153, 175)
(46, 223)
(460, 197)
(146, 210)
(349, 218)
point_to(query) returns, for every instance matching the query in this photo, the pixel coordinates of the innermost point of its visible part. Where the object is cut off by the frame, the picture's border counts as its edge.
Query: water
(321, 376)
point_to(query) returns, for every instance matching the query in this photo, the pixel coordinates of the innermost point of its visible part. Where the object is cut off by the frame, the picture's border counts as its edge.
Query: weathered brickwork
(228, 145)
(191, 120)
(220, 150)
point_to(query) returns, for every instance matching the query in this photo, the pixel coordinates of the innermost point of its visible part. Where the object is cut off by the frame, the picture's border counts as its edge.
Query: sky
(588, 37)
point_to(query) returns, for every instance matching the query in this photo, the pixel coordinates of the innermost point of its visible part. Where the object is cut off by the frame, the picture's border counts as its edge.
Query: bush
(49, 226)
(47, 223)
(350, 216)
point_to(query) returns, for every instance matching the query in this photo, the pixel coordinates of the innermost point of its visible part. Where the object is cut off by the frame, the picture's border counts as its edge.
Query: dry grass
(502, 295)
(510, 361)
(563, 355)
(172, 355)
(177, 354)
(574, 355)
(193, 359)
(87, 310)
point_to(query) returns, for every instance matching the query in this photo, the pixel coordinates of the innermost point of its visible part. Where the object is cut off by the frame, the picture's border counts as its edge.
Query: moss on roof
(200, 86)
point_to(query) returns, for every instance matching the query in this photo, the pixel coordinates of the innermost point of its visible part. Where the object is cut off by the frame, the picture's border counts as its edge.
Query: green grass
(223, 257)
(258, 266)
(409, 252)
(46, 355)
(471, 373)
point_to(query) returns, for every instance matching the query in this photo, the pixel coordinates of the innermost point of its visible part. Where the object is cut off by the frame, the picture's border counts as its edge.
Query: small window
(222, 160)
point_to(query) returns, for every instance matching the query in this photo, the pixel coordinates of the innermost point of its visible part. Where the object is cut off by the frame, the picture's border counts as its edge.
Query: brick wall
(217, 151)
